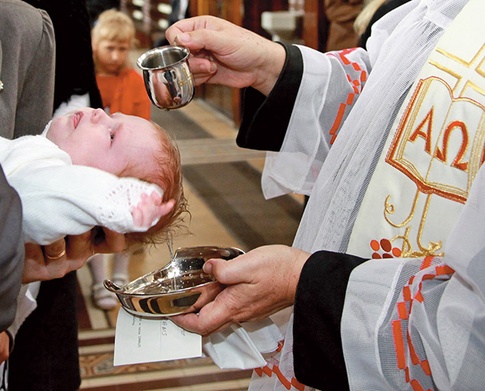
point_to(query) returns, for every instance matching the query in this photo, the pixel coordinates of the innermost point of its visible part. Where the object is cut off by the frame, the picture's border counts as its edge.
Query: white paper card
(140, 340)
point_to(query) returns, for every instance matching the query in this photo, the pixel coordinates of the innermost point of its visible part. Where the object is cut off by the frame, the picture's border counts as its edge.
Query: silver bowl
(179, 287)
(168, 80)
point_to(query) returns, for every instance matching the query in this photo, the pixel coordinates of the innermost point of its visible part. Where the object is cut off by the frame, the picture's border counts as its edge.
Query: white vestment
(347, 107)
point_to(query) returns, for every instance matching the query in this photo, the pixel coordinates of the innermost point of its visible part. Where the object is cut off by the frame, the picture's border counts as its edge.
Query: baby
(91, 169)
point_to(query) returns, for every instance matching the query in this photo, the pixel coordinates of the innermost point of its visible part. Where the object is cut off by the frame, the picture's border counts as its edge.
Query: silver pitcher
(168, 80)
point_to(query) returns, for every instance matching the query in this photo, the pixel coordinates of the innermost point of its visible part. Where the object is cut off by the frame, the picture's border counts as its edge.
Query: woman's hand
(259, 283)
(223, 53)
(65, 255)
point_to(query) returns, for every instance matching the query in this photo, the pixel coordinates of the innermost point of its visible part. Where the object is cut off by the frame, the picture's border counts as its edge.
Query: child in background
(122, 90)
(121, 86)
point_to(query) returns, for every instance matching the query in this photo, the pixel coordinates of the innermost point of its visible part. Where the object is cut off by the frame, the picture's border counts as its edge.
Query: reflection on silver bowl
(166, 73)
(179, 287)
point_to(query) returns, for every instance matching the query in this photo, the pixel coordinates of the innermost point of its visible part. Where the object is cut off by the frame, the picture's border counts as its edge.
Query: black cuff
(265, 119)
(319, 301)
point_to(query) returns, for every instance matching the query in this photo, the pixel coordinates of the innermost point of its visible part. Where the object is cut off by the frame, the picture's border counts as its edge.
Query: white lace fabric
(125, 194)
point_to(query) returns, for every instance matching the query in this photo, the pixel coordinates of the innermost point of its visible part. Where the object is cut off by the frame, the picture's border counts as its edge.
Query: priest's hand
(258, 284)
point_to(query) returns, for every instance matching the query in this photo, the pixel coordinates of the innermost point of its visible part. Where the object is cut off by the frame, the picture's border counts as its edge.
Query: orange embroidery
(437, 136)
(403, 309)
(442, 153)
(388, 251)
(356, 84)
(271, 369)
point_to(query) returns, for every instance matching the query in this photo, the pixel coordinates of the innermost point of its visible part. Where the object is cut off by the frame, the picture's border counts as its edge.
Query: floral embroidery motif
(383, 248)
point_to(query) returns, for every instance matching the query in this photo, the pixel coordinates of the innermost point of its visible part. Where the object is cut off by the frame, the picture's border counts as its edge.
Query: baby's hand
(150, 209)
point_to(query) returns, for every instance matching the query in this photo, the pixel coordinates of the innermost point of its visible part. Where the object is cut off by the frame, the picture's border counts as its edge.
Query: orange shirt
(124, 93)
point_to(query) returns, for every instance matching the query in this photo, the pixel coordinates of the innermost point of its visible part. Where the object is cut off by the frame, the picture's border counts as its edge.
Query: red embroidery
(403, 310)
(356, 83)
(382, 249)
(271, 369)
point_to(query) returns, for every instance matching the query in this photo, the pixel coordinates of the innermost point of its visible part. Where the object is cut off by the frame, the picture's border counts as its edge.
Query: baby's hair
(169, 178)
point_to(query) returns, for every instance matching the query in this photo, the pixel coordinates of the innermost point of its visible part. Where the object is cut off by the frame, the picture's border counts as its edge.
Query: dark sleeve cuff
(319, 301)
(265, 119)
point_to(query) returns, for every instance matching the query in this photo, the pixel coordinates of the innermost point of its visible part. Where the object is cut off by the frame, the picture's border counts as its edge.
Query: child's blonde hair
(113, 25)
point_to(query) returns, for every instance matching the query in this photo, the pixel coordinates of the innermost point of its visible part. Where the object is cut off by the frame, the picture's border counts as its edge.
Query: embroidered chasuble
(431, 155)
(409, 311)
(391, 189)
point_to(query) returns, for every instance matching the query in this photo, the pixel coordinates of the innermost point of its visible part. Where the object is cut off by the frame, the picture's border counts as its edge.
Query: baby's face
(111, 143)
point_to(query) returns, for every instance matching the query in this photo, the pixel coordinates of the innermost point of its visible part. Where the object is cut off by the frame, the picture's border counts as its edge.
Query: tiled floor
(227, 208)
